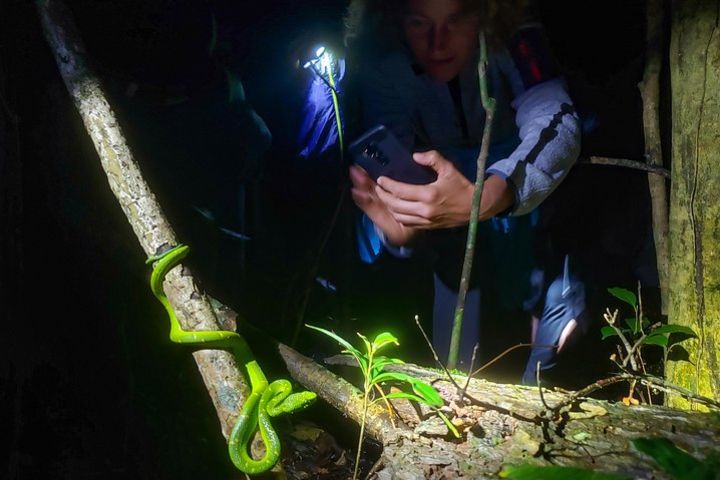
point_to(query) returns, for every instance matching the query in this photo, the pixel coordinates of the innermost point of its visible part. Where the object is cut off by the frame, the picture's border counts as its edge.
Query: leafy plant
(679, 464)
(533, 472)
(635, 333)
(372, 367)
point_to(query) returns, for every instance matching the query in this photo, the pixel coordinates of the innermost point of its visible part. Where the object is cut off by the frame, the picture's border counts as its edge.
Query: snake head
(304, 399)
(292, 403)
(298, 401)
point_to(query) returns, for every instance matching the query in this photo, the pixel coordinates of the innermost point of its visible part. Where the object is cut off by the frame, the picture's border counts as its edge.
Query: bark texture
(222, 378)
(694, 298)
(339, 393)
(501, 425)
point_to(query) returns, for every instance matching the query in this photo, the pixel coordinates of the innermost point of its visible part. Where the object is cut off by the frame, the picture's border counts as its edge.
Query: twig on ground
(539, 385)
(611, 319)
(653, 382)
(472, 365)
(505, 352)
(435, 355)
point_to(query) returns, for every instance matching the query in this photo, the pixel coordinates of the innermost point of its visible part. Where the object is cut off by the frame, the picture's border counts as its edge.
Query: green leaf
(448, 424)
(677, 333)
(671, 459)
(634, 325)
(359, 357)
(428, 393)
(704, 471)
(380, 362)
(660, 340)
(384, 339)
(607, 331)
(405, 395)
(625, 295)
(673, 328)
(391, 376)
(532, 472)
(368, 347)
(347, 345)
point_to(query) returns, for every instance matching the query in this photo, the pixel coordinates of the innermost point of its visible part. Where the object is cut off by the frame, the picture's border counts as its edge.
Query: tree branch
(650, 92)
(622, 162)
(222, 378)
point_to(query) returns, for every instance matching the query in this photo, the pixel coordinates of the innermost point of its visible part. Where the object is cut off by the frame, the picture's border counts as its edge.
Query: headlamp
(323, 62)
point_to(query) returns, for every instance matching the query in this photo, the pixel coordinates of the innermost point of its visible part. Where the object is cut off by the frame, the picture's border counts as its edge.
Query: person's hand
(445, 203)
(365, 197)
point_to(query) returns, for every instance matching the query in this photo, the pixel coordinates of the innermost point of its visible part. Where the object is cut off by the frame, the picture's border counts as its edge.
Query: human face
(441, 36)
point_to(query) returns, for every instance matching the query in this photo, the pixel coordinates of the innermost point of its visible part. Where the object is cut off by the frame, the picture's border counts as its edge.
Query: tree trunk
(224, 383)
(694, 298)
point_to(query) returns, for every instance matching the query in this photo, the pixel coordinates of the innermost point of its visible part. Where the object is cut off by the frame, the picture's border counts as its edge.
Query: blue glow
(318, 131)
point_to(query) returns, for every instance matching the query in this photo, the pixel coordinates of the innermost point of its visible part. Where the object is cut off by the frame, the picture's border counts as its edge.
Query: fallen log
(505, 425)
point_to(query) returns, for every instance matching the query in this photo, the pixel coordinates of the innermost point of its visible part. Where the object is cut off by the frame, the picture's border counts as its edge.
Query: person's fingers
(362, 198)
(360, 178)
(432, 159)
(359, 194)
(402, 206)
(406, 191)
(412, 221)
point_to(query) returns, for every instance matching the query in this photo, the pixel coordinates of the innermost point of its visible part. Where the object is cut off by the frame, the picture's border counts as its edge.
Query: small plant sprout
(635, 333)
(372, 365)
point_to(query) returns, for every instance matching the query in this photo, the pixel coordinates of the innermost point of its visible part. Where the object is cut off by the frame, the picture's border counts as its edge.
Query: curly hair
(375, 24)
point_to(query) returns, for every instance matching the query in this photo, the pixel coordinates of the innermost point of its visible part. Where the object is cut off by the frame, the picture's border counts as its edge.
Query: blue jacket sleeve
(318, 132)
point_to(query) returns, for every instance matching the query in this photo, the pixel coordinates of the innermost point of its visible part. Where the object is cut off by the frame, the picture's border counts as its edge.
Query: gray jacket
(536, 132)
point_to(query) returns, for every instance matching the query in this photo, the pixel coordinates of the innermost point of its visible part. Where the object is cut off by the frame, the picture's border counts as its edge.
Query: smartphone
(381, 154)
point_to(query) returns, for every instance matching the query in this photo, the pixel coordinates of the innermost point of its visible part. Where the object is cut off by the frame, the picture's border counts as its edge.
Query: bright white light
(322, 63)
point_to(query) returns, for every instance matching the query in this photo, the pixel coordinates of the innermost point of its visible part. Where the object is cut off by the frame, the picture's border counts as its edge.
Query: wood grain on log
(503, 425)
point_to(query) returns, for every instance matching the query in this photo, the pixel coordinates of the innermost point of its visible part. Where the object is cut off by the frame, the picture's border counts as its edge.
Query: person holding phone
(417, 75)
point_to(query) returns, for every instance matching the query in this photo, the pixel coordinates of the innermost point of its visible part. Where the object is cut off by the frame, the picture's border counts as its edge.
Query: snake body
(266, 400)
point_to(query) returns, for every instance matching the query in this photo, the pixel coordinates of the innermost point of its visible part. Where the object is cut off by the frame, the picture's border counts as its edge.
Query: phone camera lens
(374, 153)
(371, 151)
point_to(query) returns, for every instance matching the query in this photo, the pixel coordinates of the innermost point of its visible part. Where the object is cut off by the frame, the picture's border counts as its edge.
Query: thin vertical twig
(489, 106)
(539, 385)
(435, 355)
(650, 91)
(472, 365)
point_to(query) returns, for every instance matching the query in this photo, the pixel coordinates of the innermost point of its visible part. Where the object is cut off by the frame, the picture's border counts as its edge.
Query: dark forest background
(90, 386)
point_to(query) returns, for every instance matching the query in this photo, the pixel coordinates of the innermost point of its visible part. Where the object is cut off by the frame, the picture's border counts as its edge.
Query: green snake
(265, 400)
